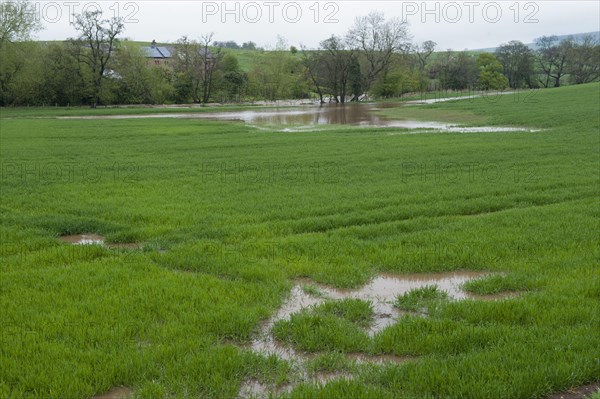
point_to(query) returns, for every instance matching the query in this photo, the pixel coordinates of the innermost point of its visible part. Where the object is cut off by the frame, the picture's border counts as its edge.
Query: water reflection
(315, 118)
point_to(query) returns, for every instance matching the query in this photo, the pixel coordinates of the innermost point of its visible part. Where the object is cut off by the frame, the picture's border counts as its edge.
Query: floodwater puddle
(252, 388)
(83, 239)
(116, 393)
(492, 95)
(582, 392)
(453, 128)
(316, 118)
(95, 239)
(362, 358)
(381, 291)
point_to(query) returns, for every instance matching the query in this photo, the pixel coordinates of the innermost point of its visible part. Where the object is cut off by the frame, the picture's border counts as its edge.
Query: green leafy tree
(17, 24)
(64, 79)
(276, 75)
(456, 70)
(21, 73)
(517, 63)
(17, 21)
(135, 77)
(231, 79)
(490, 73)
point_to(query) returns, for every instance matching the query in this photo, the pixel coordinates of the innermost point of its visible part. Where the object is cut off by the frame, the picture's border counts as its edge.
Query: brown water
(315, 118)
(252, 389)
(83, 239)
(381, 291)
(95, 239)
(329, 114)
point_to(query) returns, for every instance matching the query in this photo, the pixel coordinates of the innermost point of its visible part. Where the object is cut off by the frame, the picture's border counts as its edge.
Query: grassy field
(229, 217)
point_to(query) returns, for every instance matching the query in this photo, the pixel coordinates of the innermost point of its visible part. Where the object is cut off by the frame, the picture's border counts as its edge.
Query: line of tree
(233, 45)
(375, 58)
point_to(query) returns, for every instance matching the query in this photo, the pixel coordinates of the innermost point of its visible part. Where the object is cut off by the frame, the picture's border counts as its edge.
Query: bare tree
(552, 59)
(584, 60)
(423, 51)
(312, 65)
(210, 63)
(195, 65)
(377, 40)
(545, 59)
(337, 59)
(97, 39)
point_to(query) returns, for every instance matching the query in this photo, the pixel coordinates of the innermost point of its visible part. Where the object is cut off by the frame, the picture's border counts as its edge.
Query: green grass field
(229, 217)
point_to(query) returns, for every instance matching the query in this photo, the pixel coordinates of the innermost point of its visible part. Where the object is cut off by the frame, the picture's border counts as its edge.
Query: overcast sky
(452, 24)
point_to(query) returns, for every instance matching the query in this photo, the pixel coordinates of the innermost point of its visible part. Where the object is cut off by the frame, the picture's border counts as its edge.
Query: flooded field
(95, 239)
(83, 239)
(381, 292)
(316, 118)
(273, 286)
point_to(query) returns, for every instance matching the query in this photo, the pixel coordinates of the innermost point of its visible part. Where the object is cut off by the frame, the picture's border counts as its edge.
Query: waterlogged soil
(578, 393)
(116, 393)
(95, 239)
(83, 239)
(252, 389)
(315, 118)
(381, 291)
(347, 114)
(490, 96)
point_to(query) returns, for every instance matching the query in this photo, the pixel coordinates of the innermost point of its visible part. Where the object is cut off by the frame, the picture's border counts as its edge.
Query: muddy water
(116, 393)
(94, 239)
(314, 118)
(83, 239)
(252, 389)
(347, 114)
(381, 291)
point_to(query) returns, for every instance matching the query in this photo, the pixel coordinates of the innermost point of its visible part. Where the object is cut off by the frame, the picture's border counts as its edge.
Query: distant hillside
(247, 58)
(575, 36)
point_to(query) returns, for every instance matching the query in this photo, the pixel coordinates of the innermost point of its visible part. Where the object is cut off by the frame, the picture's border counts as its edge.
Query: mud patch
(361, 358)
(252, 388)
(116, 393)
(83, 239)
(381, 291)
(95, 239)
(577, 393)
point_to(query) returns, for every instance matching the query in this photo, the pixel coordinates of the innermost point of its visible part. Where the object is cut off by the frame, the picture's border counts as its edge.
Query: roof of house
(168, 52)
(157, 52)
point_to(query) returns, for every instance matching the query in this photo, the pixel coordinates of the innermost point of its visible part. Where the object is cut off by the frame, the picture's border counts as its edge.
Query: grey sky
(452, 24)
